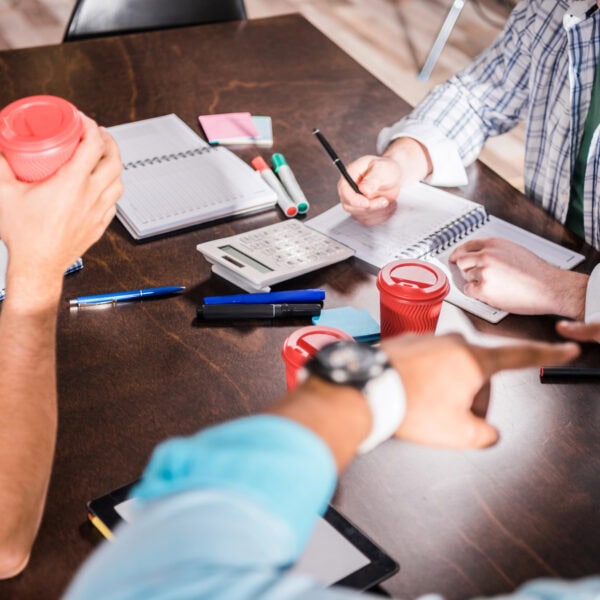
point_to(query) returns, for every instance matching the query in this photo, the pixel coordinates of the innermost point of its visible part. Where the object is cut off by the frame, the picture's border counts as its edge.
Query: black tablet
(337, 554)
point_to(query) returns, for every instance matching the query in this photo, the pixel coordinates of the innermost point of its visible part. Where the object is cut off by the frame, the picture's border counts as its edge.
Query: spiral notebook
(428, 224)
(173, 179)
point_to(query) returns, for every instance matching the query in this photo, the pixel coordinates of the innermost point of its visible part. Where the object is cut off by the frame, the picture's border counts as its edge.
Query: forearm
(338, 415)
(286, 460)
(487, 98)
(411, 154)
(29, 413)
(566, 294)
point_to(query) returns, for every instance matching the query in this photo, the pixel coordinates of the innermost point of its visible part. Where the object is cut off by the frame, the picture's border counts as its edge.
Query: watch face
(350, 363)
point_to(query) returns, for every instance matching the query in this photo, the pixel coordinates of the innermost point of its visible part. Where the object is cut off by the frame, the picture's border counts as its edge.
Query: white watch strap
(387, 401)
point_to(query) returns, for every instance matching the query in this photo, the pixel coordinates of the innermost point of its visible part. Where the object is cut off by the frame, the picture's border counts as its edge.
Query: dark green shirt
(575, 212)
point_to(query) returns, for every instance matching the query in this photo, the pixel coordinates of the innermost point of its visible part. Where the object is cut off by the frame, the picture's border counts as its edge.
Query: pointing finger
(523, 356)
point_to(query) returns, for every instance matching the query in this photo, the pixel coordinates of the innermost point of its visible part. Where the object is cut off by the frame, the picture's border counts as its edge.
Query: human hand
(580, 331)
(380, 179)
(510, 277)
(48, 225)
(439, 413)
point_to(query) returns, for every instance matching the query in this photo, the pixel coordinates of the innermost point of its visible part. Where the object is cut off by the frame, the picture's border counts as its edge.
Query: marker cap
(278, 160)
(259, 163)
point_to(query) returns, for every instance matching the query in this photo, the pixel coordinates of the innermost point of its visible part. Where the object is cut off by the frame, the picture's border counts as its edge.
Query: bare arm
(45, 228)
(510, 277)
(436, 414)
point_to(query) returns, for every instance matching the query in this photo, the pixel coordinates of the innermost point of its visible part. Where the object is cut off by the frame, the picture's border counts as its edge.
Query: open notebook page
(173, 179)
(553, 253)
(422, 208)
(422, 212)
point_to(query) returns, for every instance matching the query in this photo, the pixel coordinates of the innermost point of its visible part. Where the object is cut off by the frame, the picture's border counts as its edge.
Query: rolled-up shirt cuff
(592, 297)
(272, 461)
(448, 170)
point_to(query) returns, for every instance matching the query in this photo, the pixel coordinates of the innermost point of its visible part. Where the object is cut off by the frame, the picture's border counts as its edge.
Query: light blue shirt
(225, 513)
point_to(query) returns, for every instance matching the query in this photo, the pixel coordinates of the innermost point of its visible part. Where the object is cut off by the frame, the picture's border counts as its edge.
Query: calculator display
(245, 259)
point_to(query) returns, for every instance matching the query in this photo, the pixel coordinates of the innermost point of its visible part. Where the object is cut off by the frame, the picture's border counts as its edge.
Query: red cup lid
(414, 280)
(38, 123)
(304, 343)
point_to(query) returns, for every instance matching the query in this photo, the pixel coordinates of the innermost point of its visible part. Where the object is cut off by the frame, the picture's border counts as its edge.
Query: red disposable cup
(411, 293)
(38, 134)
(303, 344)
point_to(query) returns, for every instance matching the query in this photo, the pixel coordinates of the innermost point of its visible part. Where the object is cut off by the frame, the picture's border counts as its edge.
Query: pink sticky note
(227, 125)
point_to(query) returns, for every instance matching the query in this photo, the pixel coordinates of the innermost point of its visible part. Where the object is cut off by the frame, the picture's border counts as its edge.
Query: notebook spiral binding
(168, 157)
(440, 240)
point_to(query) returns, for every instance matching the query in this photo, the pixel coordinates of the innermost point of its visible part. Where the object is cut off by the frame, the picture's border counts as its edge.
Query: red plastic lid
(413, 280)
(38, 123)
(304, 343)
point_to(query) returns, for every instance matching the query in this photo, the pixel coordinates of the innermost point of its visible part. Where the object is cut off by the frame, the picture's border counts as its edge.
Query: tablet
(338, 553)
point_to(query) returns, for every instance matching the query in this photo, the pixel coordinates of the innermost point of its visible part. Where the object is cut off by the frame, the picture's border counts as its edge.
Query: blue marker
(113, 297)
(288, 296)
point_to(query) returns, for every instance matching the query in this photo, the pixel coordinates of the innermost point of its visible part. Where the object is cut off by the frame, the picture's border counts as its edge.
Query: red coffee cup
(38, 134)
(303, 344)
(411, 293)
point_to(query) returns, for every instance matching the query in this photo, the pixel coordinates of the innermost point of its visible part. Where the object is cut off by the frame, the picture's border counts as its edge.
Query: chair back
(94, 18)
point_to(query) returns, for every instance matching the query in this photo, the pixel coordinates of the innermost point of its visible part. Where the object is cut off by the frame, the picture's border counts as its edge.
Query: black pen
(210, 312)
(547, 373)
(336, 160)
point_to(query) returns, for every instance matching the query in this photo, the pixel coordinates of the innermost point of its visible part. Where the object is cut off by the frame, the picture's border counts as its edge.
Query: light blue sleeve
(272, 461)
(225, 512)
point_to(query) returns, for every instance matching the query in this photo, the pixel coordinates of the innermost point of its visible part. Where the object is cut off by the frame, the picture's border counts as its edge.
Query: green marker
(289, 181)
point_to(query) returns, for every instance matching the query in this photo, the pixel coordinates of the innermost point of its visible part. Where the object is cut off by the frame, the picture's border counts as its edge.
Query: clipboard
(364, 566)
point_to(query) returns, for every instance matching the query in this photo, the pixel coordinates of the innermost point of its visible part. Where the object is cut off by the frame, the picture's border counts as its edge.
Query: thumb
(470, 431)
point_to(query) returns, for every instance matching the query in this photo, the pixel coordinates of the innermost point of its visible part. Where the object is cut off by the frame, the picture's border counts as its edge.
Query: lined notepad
(428, 224)
(173, 179)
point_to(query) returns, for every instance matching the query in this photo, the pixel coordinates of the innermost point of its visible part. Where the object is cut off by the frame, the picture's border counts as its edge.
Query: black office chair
(94, 18)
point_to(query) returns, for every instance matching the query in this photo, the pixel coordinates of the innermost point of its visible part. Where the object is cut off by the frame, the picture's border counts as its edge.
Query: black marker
(547, 373)
(213, 312)
(336, 161)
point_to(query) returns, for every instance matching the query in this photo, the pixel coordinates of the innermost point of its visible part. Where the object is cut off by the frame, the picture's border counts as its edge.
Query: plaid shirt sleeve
(487, 98)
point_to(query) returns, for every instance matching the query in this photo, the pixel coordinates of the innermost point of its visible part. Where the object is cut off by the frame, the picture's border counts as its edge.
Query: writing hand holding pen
(379, 179)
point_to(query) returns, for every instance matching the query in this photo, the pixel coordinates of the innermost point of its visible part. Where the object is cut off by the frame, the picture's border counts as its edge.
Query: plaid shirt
(541, 70)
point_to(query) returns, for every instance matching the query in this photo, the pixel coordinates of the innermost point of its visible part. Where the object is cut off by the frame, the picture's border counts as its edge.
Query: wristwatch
(367, 369)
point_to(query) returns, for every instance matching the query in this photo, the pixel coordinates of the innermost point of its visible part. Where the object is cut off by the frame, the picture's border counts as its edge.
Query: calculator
(257, 259)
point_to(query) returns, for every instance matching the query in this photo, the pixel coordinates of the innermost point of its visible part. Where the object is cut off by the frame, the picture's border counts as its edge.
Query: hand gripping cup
(38, 134)
(411, 293)
(303, 344)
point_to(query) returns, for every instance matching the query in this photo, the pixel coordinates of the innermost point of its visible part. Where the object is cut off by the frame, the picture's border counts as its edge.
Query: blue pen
(287, 296)
(113, 297)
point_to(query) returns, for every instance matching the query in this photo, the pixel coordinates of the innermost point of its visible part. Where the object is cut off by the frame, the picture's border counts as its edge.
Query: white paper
(421, 211)
(174, 179)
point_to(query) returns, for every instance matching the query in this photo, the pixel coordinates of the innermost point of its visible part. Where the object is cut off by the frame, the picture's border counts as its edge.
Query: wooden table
(459, 523)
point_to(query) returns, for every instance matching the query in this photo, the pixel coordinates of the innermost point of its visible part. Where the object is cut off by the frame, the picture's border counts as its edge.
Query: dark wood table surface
(459, 523)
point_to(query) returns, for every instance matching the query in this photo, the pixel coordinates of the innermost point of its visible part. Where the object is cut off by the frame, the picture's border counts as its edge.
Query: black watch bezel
(348, 363)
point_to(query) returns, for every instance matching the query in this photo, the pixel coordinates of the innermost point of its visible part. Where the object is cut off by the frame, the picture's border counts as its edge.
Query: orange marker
(285, 203)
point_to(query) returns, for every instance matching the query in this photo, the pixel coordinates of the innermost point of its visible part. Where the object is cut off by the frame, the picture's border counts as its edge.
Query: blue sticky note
(358, 323)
